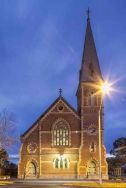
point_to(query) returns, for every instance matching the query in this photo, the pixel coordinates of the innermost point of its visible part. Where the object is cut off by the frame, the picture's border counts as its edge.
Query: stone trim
(72, 132)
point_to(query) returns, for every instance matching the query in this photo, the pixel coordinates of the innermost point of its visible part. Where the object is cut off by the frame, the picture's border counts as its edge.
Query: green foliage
(119, 147)
(119, 151)
(3, 158)
(119, 142)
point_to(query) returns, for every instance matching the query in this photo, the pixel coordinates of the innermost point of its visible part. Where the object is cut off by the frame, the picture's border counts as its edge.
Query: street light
(105, 88)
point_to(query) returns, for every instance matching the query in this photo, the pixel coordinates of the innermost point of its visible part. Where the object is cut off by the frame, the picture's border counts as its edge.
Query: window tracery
(61, 134)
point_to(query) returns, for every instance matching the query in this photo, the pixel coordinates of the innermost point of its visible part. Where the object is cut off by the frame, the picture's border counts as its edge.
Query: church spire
(90, 69)
(88, 14)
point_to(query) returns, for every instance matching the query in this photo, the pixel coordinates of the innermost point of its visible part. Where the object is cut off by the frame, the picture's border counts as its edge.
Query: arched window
(92, 147)
(56, 163)
(86, 99)
(61, 134)
(92, 99)
(61, 163)
(66, 163)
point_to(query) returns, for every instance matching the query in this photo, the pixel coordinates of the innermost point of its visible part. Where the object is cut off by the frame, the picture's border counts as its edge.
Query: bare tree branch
(7, 129)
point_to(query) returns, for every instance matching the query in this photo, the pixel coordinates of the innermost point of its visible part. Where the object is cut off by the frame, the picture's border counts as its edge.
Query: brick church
(63, 143)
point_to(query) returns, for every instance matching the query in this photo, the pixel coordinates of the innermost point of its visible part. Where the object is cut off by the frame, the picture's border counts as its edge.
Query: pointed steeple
(90, 69)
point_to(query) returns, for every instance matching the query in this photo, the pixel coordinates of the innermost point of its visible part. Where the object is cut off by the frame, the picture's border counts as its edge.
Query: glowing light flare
(106, 87)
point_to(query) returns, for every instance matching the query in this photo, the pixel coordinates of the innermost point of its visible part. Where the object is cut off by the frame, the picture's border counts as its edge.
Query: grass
(97, 185)
(3, 182)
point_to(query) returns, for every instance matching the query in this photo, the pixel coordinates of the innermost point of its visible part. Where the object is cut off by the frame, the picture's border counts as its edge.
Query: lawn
(95, 185)
(5, 182)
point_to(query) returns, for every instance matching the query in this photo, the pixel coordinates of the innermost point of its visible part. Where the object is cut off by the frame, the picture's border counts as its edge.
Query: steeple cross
(60, 92)
(88, 13)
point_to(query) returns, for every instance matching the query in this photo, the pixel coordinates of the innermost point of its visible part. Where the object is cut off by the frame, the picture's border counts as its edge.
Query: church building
(63, 143)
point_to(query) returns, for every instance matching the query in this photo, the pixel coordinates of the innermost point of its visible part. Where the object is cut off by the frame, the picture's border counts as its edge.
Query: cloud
(13, 156)
(108, 155)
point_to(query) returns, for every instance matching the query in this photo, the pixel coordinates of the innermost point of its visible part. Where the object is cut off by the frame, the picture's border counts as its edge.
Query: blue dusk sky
(41, 45)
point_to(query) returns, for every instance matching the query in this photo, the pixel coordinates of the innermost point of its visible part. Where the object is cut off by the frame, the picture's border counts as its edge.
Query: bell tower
(90, 108)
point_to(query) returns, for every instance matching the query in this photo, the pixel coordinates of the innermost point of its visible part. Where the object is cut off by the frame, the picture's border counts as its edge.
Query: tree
(119, 147)
(7, 138)
(119, 151)
(11, 169)
(3, 158)
(115, 162)
(7, 129)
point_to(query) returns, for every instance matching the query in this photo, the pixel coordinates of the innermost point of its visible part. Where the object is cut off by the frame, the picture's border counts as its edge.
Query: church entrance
(31, 170)
(92, 168)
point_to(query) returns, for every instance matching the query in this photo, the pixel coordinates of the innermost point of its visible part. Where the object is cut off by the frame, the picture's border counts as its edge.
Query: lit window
(61, 163)
(56, 163)
(61, 134)
(65, 163)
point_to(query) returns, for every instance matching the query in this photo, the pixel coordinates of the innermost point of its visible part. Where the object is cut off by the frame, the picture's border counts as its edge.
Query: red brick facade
(51, 151)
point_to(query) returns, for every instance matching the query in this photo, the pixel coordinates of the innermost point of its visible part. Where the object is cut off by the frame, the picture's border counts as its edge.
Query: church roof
(48, 109)
(90, 69)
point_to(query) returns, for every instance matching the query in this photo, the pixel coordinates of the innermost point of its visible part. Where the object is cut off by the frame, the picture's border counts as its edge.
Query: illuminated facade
(64, 143)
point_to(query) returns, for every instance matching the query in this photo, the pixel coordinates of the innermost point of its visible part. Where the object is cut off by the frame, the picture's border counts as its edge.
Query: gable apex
(49, 109)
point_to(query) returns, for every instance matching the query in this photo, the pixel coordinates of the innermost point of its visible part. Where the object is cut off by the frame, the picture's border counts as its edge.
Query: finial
(88, 14)
(60, 92)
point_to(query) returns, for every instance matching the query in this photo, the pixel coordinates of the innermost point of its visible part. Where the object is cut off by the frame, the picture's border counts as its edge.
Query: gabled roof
(48, 109)
(90, 68)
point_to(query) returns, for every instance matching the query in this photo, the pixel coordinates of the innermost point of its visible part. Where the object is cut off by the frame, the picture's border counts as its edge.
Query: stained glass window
(61, 163)
(61, 134)
(56, 163)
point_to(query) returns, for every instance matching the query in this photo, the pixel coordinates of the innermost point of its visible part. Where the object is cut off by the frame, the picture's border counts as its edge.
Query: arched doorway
(31, 169)
(92, 168)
